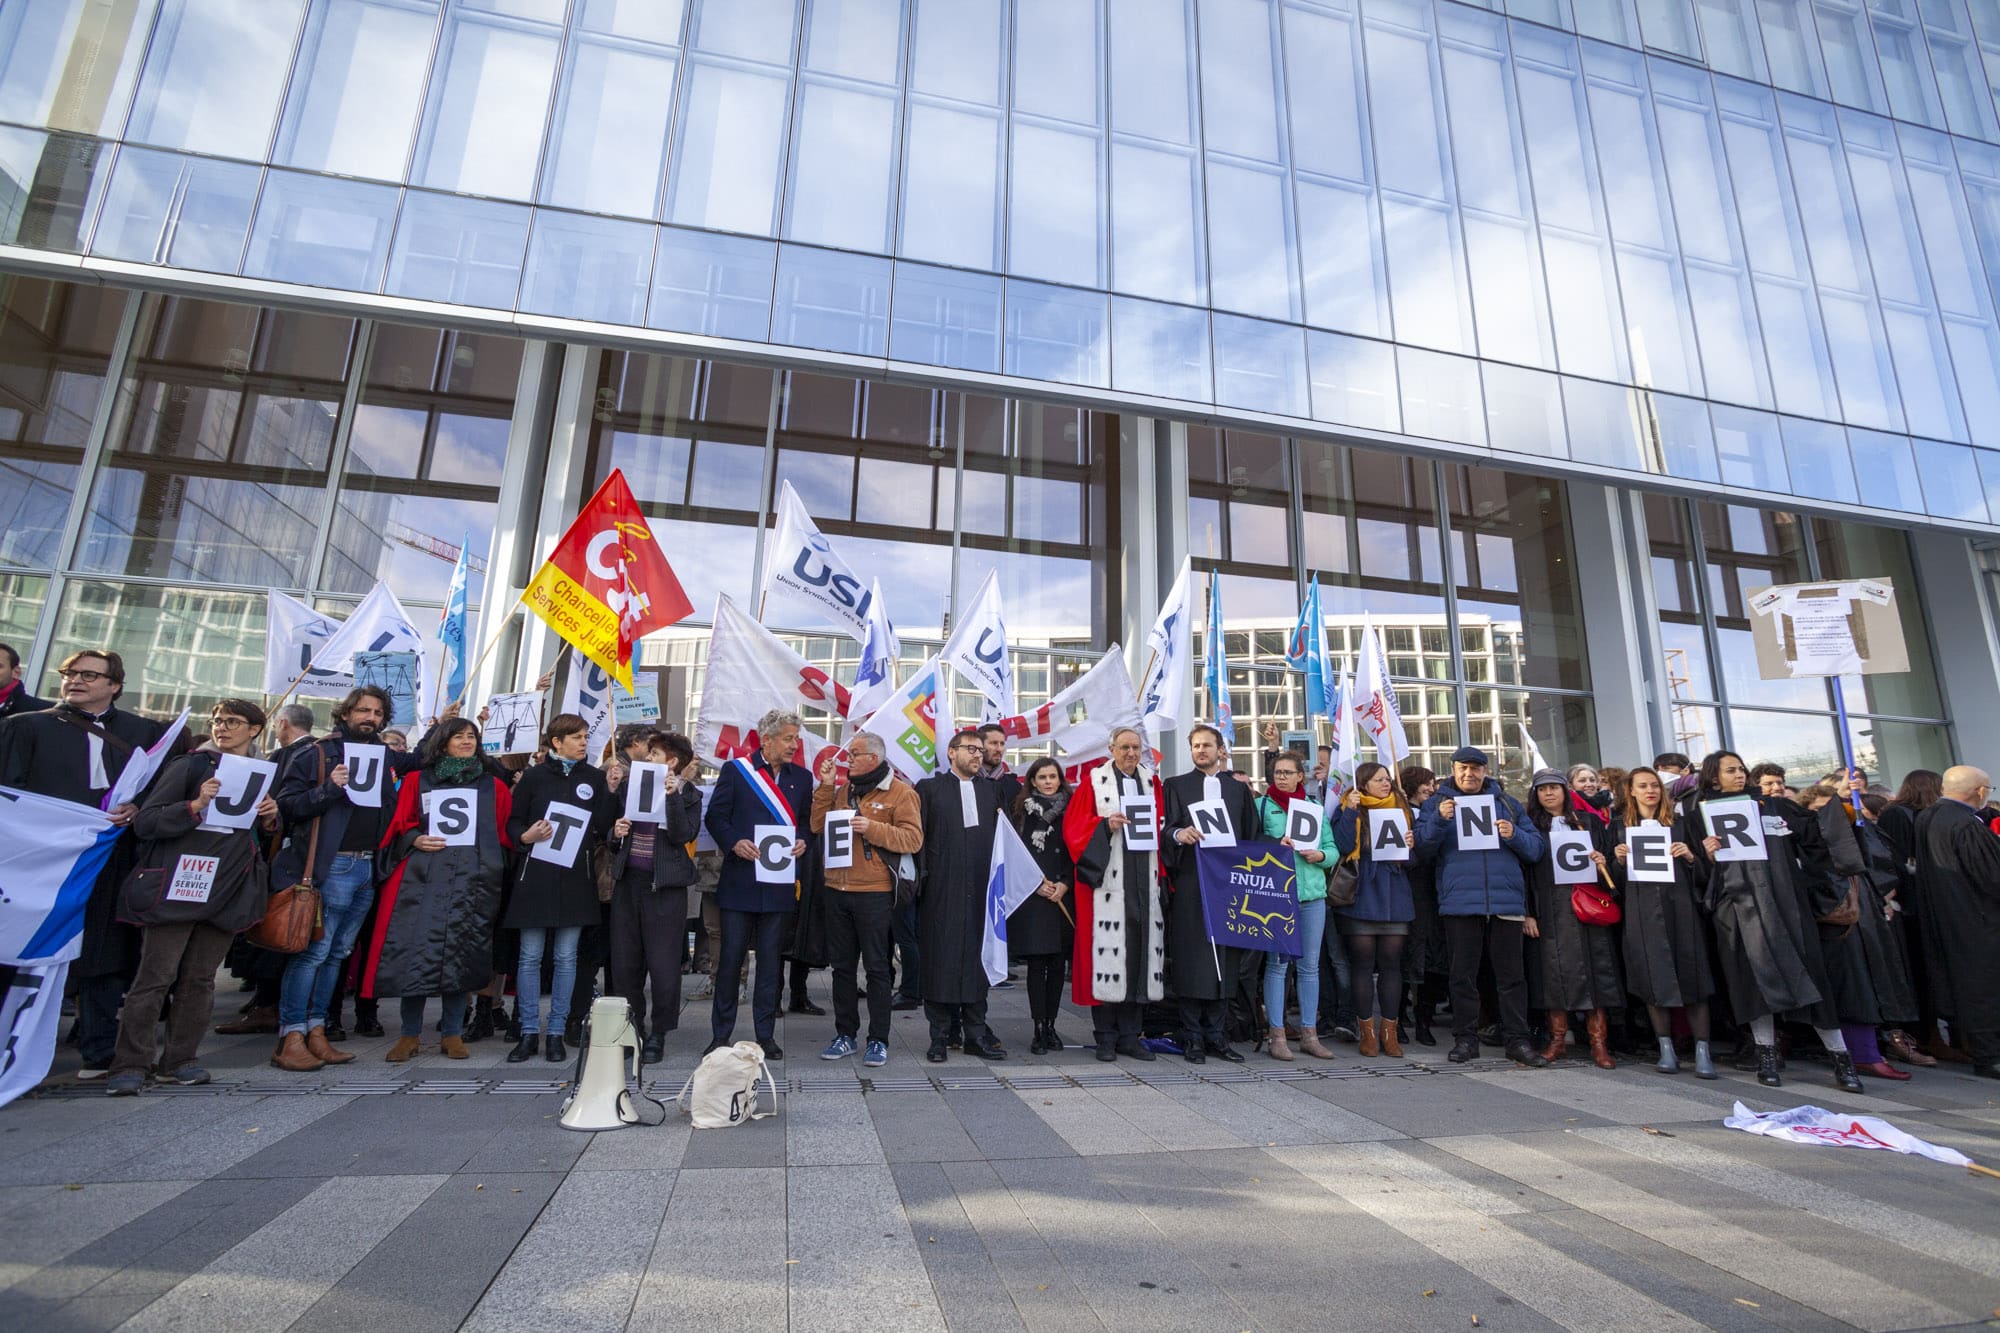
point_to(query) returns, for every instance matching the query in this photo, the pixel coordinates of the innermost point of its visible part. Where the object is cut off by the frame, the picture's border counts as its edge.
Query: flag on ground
(907, 724)
(1168, 652)
(606, 585)
(1215, 667)
(451, 624)
(977, 649)
(1015, 874)
(1810, 1124)
(1375, 708)
(49, 861)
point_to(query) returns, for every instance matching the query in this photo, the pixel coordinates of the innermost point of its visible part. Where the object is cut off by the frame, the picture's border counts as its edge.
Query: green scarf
(452, 772)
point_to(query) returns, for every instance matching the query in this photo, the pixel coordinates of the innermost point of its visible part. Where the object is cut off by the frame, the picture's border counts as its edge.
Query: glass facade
(1384, 294)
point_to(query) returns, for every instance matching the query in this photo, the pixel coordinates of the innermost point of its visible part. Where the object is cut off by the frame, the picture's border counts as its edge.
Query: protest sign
(839, 840)
(1142, 829)
(1249, 898)
(452, 813)
(1569, 856)
(513, 724)
(245, 782)
(1648, 854)
(1739, 822)
(367, 772)
(395, 672)
(1211, 821)
(646, 793)
(775, 863)
(1389, 834)
(571, 824)
(1478, 827)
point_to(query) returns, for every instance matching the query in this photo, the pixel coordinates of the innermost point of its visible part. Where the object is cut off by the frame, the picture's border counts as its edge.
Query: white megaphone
(599, 1100)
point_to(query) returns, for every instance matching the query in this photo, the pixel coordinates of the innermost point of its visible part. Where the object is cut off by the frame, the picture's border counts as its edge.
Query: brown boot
(1392, 1046)
(404, 1048)
(454, 1048)
(256, 1020)
(1370, 1048)
(1598, 1025)
(1276, 1042)
(1309, 1043)
(293, 1057)
(322, 1049)
(1558, 1035)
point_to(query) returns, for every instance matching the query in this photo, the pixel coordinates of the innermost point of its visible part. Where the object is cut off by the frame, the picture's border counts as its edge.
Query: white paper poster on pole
(646, 793)
(1211, 821)
(1739, 822)
(452, 813)
(1389, 834)
(1569, 856)
(367, 773)
(245, 782)
(839, 847)
(513, 724)
(1477, 823)
(572, 824)
(1649, 854)
(1305, 822)
(1142, 829)
(775, 863)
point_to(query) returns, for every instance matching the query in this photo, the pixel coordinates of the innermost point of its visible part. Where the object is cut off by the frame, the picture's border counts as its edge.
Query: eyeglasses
(968, 745)
(85, 677)
(226, 723)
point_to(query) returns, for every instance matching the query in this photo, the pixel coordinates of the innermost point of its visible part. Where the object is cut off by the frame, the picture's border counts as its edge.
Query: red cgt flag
(607, 585)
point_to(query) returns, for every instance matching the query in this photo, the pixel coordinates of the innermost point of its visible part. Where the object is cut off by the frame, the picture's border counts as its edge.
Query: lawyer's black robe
(951, 892)
(1958, 864)
(1198, 969)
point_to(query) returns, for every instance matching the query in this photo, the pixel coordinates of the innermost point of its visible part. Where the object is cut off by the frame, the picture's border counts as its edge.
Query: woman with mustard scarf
(1376, 925)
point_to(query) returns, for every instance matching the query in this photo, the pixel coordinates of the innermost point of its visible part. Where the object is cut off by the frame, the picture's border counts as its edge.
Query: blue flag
(451, 627)
(1215, 667)
(49, 862)
(1250, 898)
(1306, 651)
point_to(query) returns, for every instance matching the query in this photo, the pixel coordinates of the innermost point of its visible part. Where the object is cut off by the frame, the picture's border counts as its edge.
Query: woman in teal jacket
(1288, 773)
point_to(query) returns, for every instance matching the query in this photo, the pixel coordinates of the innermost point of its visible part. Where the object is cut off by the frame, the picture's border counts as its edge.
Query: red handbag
(1594, 907)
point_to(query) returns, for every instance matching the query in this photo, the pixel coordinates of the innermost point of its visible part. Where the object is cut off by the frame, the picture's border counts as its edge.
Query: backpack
(722, 1091)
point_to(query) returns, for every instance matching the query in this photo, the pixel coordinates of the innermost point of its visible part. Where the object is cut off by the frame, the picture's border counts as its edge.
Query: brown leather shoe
(454, 1048)
(1558, 1035)
(293, 1057)
(1309, 1043)
(404, 1048)
(317, 1043)
(1598, 1025)
(1898, 1045)
(1940, 1049)
(257, 1020)
(1275, 1043)
(1392, 1045)
(1370, 1047)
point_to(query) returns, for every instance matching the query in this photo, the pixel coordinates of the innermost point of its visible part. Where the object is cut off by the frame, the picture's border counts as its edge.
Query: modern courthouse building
(1540, 331)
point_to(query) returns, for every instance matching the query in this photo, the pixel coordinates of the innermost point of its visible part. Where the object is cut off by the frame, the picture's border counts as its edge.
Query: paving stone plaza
(1057, 1193)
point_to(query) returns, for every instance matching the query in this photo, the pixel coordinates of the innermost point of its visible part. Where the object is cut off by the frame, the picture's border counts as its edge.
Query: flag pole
(484, 653)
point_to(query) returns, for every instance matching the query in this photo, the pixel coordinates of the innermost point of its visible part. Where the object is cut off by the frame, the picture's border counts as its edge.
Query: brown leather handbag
(292, 919)
(1848, 913)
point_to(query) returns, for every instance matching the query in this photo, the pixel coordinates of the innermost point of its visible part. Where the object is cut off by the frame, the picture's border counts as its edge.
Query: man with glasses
(960, 813)
(1120, 956)
(14, 696)
(75, 752)
(1958, 865)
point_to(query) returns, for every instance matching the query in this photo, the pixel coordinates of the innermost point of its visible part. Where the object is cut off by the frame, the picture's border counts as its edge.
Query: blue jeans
(345, 896)
(1312, 932)
(454, 1015)
(528, 976)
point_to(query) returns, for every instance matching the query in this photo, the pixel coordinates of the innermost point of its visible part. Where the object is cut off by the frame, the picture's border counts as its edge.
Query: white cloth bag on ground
(722, 1091)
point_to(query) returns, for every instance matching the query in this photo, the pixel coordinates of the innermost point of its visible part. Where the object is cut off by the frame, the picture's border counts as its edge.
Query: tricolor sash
(767, 791)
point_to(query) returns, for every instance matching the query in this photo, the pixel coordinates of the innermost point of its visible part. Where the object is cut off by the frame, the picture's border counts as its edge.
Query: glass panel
(1058, 482)
(489, 100)
(835, 301)
(1346, 283)
(1516, 571)
(1906, 65)
(1371, 531)
(1968, 102)
(959, 48)
(1952, 487)
(1817, 454)
(1889, 750)
(1250, 252)
(1964, 298)
(71, 64)
(1749, 448)
(1564, 728)
(1053, 223)
(1989, 471)
(752, 29)
(1858, 550)
(1160, 350)
(732, 142)
(55, 341)
(856, 39)
(607, 150)
(952, 181)
(184, 647)
(50, 185)
(588, 268)
(465, 251)
(1792, 45)
(1729, 36)
(190, 212)
(1054, 334)
(1669, 25)
(1155, 234)
(1748, 550)
(1260, 366)
(1524, 411)
(1850, 54)
(1151, 75)
(843, 167)
(322, 231)
(21, 599)
(213, 75)
(358, 87)
(647, 20)
(714, 285)
(409, 541)
(1056, 60)
(1799, 743)
(1678, 432)
(1677, 595)
(942, 317)
(1441, 396)
(1887, 471)
(1611, 20)
(1353, 381)
(1605, 425)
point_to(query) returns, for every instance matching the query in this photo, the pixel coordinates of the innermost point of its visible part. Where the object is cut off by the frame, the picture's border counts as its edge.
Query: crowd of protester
(1865, 936)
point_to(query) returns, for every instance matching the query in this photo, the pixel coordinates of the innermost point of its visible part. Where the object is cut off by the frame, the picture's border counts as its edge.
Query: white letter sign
(646, 793)
(1389, 834)
(1569, 854)
(452, 814)
(366, 765)
(774, 854)
(839, 840)
(1478, 831)
(244, 783)
(1211, 821)
(1739, 822)
(1649, 854)
(1304, 822)
(571, 823)
(1142, 833)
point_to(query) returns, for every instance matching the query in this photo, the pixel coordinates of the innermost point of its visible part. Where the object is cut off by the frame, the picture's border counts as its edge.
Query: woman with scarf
(1766, 910)
(1579, 963)
(1042, 931)
(434, 920)
(1288, 775)
(555, 896)
(1666, 946)
(1376, 926)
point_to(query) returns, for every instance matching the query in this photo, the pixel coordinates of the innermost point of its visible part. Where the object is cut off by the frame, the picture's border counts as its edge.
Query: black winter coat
(1038, 926)
(434, 921)
(1666, 941)
(673, 868)
(305, 796)
(1766, 931)
(1580, 968)
(545, 893)
(169, 830)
